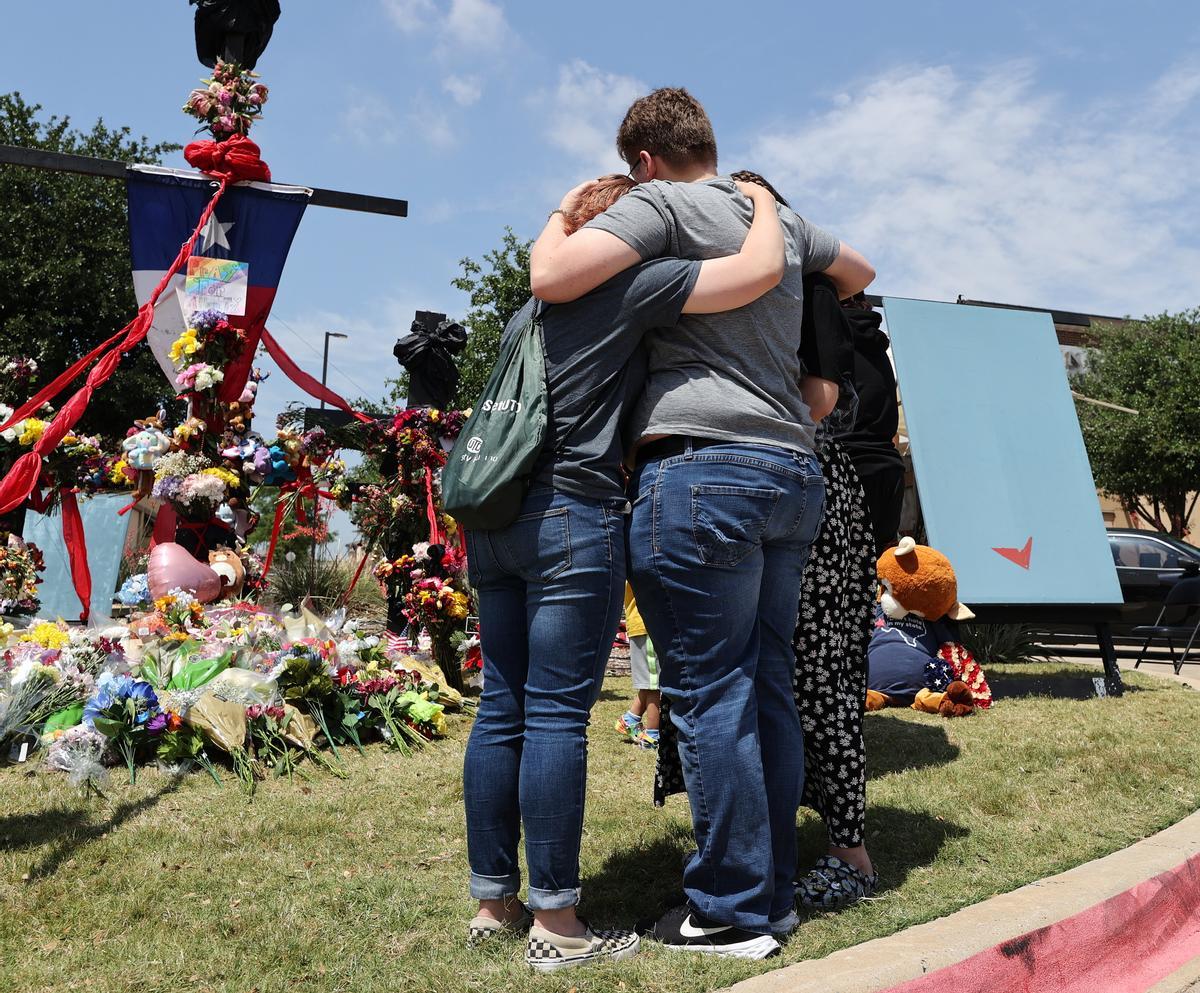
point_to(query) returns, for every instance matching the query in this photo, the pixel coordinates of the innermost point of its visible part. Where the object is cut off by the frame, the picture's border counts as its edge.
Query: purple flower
(157, 724)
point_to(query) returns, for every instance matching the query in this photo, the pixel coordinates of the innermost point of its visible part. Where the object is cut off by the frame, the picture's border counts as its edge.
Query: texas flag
(254, 224)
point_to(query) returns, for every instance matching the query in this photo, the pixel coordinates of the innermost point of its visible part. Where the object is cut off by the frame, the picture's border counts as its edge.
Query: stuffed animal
(189, 433)
(913, 657)
(146, 445)
(228, 565)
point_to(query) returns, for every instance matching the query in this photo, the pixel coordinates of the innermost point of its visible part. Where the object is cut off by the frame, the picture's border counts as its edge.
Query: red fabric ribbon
(73, 536)
(236, 159)
(436, 535)
(306, 382)
(305, 489)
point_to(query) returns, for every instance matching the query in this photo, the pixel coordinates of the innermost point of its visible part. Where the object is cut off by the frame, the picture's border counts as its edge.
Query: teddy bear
(229, 566)
(914, 657)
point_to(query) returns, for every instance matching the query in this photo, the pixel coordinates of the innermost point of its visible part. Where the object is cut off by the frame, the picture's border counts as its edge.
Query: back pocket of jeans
(538, 546)
(728, 521)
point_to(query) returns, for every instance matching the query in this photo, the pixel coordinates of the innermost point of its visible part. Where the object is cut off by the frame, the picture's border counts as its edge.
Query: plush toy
(189, 433)
(913, 657)
(228, 565)
(146, 445)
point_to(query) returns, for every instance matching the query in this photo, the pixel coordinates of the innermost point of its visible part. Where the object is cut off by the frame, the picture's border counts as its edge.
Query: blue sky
(1038, 153)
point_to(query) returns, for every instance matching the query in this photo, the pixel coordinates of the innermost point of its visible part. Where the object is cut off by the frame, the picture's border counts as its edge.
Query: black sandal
(833, 884)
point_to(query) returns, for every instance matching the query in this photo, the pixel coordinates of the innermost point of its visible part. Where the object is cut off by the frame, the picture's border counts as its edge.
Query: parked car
(1148, 564)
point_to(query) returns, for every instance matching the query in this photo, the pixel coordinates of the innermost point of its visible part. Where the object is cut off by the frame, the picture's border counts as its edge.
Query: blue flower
(135, 590)
(112, 700)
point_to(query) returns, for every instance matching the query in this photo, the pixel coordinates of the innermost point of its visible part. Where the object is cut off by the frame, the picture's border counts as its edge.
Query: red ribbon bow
(235, 160)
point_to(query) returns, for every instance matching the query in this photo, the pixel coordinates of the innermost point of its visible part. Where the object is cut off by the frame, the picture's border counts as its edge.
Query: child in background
(640, 723)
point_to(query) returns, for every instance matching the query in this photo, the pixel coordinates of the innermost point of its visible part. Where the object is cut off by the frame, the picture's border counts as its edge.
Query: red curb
(1125, 944)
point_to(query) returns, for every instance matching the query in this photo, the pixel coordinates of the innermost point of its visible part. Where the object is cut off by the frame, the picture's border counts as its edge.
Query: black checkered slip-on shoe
(548, 951)
(483, 929)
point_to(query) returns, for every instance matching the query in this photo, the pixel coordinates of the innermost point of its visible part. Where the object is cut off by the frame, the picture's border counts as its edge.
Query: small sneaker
(647, 740)
(548, 951)
(628, 726)
(682, 929)
(483, 929)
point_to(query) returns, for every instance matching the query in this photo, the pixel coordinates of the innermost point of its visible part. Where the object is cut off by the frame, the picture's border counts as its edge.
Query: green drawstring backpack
(489, 468)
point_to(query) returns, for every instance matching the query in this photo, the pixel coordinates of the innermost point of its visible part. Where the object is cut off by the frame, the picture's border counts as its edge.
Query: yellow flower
(164, 603)
(438, 721)
(47, 635)
(227, 476)
(31, 430)
(184, 347)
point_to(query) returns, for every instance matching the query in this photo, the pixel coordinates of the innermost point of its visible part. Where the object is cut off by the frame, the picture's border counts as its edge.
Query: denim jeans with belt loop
(717, 545)
(550, 588)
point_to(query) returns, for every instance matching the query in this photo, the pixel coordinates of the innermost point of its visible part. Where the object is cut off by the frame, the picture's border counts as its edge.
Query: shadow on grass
(640, 883)
(1067, 683)
(64, 831)
(897, 745)
(899, 840)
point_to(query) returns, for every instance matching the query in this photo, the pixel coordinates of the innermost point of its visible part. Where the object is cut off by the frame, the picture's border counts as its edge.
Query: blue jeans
(717, 546)
(551, 588)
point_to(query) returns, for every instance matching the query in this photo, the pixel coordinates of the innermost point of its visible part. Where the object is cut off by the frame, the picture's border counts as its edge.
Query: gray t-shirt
(732, 376)
(596, 369)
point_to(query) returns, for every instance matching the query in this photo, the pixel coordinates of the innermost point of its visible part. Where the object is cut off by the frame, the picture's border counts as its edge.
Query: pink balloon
(173, 568)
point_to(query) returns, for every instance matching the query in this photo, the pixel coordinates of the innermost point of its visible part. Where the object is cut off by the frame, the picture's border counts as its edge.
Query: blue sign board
(1004, 480)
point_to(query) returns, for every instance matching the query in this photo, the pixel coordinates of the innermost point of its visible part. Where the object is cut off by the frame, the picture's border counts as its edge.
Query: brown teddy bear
(228, 565)
(914, 658)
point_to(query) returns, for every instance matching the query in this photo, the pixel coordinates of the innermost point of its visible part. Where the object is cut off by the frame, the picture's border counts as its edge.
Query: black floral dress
(834, 625)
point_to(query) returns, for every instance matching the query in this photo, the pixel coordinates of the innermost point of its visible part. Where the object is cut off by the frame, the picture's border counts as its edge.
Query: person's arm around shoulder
(736, 280)
(563, 268)
(850, 272)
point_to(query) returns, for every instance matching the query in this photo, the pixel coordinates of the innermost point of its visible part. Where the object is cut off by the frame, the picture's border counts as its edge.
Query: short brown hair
(595, 201)
(669, 123)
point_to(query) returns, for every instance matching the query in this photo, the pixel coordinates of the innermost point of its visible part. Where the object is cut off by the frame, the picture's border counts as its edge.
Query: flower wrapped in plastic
(82, 753)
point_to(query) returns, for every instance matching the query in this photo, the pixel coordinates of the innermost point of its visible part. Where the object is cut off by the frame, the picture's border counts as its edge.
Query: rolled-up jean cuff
(553, 899)
(494, 887)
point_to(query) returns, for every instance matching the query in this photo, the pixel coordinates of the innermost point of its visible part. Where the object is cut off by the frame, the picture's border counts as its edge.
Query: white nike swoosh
(688, 930)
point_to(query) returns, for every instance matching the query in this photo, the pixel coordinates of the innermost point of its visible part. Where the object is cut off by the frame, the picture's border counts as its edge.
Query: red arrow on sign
(1020, 556)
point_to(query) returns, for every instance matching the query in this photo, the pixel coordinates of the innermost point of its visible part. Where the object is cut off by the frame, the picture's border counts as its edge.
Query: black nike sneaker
(682, 929)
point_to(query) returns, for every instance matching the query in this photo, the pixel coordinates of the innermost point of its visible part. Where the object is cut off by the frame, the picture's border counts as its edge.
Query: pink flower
(187, 378)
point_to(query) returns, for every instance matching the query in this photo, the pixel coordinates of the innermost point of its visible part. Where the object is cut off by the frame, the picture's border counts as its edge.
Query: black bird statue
(233, 30)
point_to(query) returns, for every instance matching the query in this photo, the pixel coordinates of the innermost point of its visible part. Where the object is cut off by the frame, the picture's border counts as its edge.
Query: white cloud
(584, 111)
(477, 24)
(472, 25)
(465, 90)
(988, 187)
(369, 119)
(430, 123)
(410, 15)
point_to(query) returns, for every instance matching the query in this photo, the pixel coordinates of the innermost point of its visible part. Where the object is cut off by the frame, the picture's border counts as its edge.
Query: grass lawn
(361, 885)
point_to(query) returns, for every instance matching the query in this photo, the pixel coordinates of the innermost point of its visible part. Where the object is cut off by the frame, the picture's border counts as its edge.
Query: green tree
(1150, 460)
(65, 282)
(497, 289)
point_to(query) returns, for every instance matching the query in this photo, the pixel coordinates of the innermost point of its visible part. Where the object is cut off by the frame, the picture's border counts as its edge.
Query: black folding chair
(1183, 597)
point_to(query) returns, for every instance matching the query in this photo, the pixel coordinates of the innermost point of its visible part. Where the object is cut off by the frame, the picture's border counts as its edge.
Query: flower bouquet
(228, 103)
(21, 566)
(82, 753)
(126, 711)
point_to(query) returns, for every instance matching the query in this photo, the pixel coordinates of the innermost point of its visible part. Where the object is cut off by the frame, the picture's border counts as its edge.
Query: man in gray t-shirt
(733, 376)
(727, 500)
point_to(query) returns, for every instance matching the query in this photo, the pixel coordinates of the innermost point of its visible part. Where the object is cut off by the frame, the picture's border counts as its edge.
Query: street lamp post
(325, 360)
